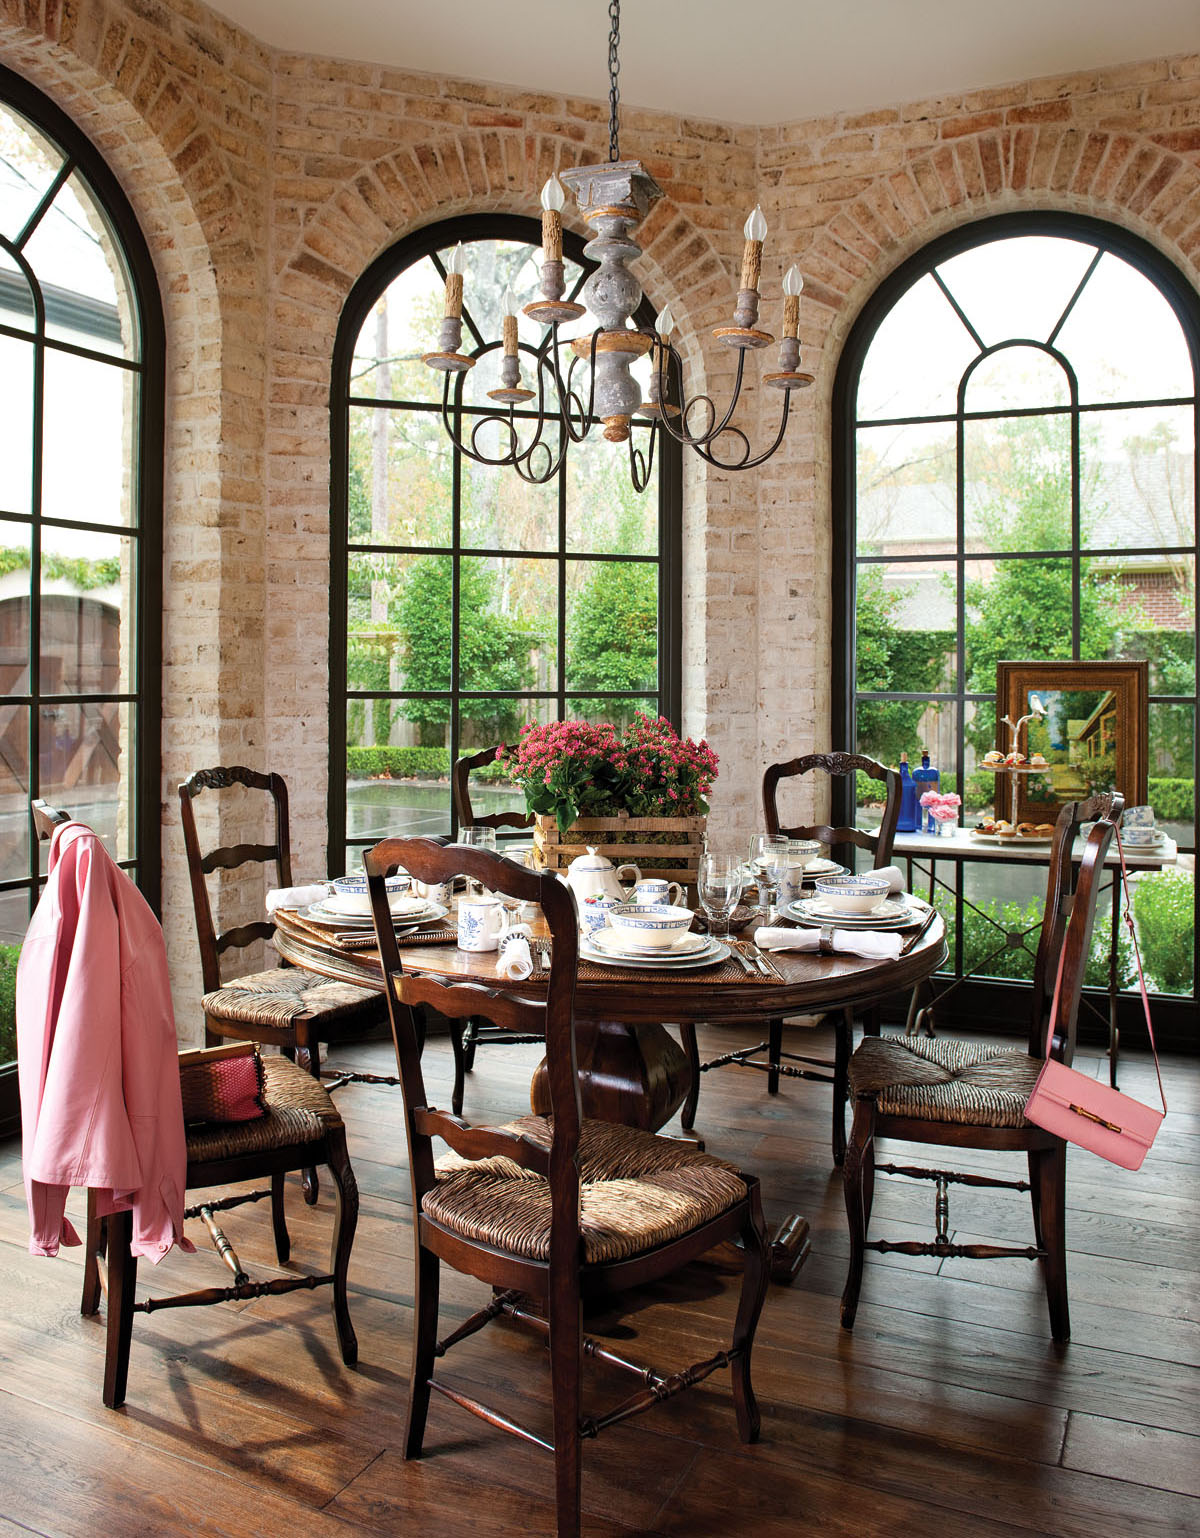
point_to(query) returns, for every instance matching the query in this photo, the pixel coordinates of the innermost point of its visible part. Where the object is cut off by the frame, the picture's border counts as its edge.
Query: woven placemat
(364, 940)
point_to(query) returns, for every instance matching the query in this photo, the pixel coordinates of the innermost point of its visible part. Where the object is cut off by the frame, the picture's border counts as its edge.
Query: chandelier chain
(614, 69)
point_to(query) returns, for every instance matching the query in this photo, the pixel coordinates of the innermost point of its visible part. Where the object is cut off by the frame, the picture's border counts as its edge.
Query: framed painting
(1088, 723)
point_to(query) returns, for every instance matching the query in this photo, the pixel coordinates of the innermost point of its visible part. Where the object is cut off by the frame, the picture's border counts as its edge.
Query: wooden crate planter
(661, 846)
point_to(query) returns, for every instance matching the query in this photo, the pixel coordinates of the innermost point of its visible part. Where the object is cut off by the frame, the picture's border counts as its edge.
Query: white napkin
(296, 896)
(869, 944)
(892, 874)
(515, 961)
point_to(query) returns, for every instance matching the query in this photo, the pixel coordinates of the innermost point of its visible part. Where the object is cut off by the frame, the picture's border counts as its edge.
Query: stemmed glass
(719, 887)
(768, 862)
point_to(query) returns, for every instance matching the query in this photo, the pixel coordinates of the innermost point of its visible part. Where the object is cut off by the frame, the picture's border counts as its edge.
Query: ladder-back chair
(476, 1032)
(878, 845)
(550, 1210)
(298, 1129)
(964, 1094)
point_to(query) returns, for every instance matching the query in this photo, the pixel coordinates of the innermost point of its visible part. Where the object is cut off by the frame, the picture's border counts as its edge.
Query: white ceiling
(738, 61)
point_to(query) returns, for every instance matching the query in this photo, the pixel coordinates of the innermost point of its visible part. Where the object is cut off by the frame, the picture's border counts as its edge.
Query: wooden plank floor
(948, 1411)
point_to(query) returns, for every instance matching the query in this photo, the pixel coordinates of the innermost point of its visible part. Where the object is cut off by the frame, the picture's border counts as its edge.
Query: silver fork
(747, 948)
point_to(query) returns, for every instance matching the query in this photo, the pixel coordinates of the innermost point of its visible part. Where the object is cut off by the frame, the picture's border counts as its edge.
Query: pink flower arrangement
(584, 769)
(942, 808)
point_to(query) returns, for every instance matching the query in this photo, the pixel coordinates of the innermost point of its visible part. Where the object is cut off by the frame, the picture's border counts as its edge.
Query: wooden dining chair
(550, 1211)
(477, 1032)
(460, 785)
(964, 1094)
(878, 844)
(284, 1006)
(299, 1128)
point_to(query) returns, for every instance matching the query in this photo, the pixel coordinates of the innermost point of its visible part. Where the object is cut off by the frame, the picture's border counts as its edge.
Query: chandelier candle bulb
(553, 198)
(454, 284)
(510, 324)
(793, 287)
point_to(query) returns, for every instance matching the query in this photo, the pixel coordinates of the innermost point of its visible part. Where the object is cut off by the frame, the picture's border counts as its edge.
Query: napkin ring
(825, 941)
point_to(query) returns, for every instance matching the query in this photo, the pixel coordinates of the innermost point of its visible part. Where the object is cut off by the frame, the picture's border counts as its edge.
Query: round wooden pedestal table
(631, 1069)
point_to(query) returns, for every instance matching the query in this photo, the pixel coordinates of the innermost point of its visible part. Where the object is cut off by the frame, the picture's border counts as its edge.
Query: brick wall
(266, 183)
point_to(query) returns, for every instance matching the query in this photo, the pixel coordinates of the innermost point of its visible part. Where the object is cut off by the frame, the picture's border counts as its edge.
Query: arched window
(81, 386)
(466, 602)
(1016, 481)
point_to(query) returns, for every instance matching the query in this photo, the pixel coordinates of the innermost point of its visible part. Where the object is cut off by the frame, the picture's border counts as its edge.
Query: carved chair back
(1072, 889)
(460, 785)
(406, 992)
(229, 857)
(46, 818)
(877, 844)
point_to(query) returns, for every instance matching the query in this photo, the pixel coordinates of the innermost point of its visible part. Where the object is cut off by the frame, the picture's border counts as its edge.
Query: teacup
(593, 913)
(651, 890)
(435, 891)
(480, 922)
(1137, 817)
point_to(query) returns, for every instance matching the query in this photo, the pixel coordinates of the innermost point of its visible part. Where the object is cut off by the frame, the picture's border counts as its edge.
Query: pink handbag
(1081, 1109)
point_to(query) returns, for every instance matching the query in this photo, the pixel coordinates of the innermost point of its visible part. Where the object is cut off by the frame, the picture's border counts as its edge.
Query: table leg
(1114, 1035)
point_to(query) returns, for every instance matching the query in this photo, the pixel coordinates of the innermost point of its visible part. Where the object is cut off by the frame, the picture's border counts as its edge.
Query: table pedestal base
(631, 1073)
(637, 1074)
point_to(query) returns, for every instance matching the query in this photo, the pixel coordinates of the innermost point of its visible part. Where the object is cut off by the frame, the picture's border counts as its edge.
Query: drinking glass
(477, 838)
(719, 887)
(768, 863)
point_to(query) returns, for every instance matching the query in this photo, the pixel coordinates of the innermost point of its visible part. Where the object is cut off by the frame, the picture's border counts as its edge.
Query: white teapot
(591, 875)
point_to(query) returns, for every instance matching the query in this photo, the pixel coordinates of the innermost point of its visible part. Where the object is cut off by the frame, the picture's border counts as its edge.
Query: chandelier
(598, 386)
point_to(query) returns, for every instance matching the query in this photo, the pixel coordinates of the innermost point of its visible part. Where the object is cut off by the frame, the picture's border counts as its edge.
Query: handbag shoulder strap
(1137, 956)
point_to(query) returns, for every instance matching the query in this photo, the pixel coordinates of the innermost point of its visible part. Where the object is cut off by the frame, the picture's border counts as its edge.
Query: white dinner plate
(892, 915)
(823, 867)
(612, 942)
(320, 913)
(714, 952)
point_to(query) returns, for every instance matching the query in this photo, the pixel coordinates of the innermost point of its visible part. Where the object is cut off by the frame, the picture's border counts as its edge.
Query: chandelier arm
(745, 463)
(579, 426)
(460, 444)
(641, 465)
(714, 429)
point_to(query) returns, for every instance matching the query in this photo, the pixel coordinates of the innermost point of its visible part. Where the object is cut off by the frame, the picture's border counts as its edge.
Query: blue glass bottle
(910, 810)
(926, 778)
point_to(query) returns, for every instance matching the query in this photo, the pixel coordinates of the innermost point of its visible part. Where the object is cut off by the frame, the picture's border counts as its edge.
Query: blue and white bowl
(353, 895)
(852, 894)
(655, 925)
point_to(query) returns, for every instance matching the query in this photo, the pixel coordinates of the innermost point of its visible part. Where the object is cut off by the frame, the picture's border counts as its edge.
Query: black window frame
(992, 1002)
(406, 252)
(145, 699)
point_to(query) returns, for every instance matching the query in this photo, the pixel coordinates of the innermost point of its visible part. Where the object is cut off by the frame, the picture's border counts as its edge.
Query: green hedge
(8, 1002)
(388, 763)
(1173, 800)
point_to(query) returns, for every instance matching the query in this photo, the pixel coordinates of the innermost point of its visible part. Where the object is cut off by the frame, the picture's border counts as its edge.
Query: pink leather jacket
(97, 1056)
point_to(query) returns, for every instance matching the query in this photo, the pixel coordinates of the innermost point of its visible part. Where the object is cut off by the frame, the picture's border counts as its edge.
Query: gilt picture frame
(1093, 732)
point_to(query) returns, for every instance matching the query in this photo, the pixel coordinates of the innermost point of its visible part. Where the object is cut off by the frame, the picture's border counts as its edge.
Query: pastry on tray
(1027, 830)
(1014, 760)
(993, 760)
(1004, 830)
(1045, 830)
(1037, 761)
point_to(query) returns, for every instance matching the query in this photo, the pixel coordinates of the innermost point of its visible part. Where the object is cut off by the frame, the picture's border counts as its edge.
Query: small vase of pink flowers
(942, 812)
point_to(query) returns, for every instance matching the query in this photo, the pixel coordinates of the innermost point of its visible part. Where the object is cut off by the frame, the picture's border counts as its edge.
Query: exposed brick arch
(1126, 179)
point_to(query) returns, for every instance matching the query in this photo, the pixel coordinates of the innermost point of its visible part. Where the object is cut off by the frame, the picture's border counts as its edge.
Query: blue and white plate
(713, 952)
